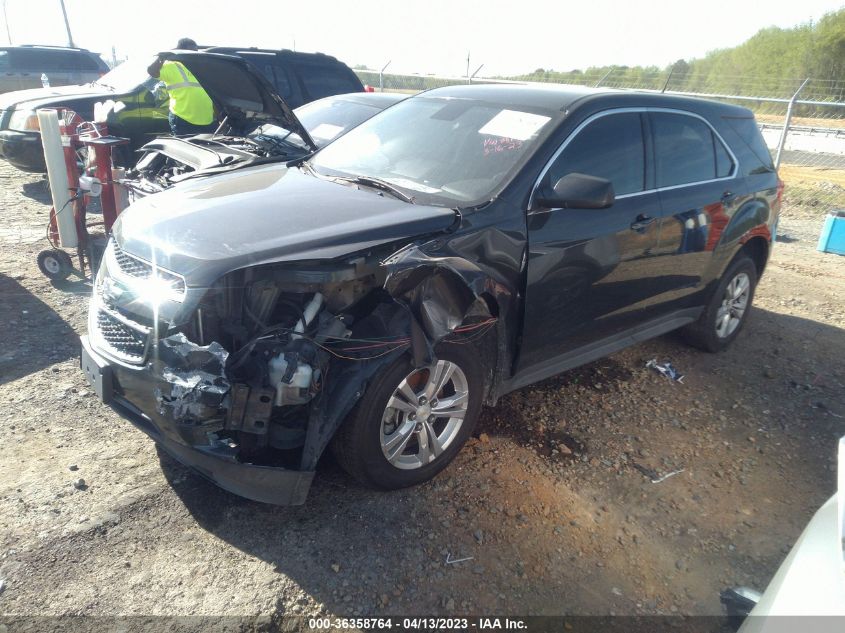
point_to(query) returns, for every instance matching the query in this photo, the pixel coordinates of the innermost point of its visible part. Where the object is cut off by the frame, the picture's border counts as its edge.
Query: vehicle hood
(205, 228)
(45, 97)
(239, 88)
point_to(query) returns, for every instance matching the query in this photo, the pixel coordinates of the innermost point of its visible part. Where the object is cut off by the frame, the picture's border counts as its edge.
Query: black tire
(55, 264)
(357, 444)
(703, 333)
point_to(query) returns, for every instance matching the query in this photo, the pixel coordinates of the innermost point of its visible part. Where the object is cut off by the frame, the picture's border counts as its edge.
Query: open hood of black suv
(240, 89)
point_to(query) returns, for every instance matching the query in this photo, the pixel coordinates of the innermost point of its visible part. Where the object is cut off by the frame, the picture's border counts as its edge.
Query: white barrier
(54, 157)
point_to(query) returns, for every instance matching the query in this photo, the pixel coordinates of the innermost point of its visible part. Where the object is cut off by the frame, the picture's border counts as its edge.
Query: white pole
(54, 156)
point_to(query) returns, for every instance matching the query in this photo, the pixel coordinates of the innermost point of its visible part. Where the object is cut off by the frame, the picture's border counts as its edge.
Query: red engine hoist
(82, 173)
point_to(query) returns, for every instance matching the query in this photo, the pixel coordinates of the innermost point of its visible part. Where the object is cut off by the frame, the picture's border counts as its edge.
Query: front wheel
(411, 422)
(728, 308)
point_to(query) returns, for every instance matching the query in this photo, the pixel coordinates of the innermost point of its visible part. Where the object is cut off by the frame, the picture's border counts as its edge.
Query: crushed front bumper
(129, 391)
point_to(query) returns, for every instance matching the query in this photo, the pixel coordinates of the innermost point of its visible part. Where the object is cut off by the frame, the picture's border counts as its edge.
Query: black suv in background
(21, 67)
(463, 243)
(298, 77)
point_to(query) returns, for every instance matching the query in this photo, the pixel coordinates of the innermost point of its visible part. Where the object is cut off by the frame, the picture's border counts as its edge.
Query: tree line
(772, 63)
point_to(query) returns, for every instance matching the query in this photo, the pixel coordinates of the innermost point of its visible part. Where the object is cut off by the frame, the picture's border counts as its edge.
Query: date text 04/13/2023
(418, 624)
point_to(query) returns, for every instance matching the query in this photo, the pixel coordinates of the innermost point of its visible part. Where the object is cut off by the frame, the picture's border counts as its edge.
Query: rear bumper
(130, 392)
(23, 150)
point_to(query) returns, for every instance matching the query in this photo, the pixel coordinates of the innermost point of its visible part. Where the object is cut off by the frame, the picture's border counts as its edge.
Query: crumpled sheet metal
(439, 291)
(196, 374)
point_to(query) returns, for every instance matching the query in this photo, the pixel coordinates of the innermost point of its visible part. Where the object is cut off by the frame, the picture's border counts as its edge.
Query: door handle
(728, 197)
(641, 223)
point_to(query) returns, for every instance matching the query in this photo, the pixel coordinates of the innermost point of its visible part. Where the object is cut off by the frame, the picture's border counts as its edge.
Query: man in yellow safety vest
(191, 109)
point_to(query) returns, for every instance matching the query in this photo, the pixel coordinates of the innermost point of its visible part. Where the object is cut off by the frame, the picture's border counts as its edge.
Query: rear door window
(37, 59)
(686, 150)
(280, 80)
(610, 147)
(724, 163)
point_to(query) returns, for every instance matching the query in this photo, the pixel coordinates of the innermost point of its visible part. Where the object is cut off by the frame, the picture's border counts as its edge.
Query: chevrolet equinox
(459, 245)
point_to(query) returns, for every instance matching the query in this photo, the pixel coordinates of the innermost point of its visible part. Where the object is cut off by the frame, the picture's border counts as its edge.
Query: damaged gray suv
(463, 243)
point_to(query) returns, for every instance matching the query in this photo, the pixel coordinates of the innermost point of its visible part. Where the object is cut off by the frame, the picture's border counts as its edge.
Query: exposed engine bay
(282, 330)
(169, 160)
(296, 336)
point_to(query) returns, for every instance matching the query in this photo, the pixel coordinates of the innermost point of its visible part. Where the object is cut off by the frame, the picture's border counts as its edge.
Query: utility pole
(67, 25)
(6, 22)
(467, 66)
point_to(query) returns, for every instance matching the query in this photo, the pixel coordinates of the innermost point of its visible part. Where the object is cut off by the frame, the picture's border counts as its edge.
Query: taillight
(369, 88)
(24, 121)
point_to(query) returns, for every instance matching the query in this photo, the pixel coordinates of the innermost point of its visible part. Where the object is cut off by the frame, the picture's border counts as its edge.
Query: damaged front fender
(443, 292)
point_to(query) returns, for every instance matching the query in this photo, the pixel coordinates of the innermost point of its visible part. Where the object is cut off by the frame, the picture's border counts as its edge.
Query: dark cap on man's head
(186, 44)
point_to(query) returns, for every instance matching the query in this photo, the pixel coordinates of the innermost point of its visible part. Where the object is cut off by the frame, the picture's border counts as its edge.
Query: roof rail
(255, 49)
(66, 48)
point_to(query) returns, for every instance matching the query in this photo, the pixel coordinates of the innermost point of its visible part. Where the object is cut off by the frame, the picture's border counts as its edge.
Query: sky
(431, 36)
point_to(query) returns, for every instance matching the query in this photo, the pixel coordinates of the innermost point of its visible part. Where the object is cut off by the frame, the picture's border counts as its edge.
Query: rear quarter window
(85, 62)
(325, 81)
(748, 142)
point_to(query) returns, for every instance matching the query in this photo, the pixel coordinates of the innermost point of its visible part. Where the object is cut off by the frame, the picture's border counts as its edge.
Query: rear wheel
(727, 310)
(410, 423)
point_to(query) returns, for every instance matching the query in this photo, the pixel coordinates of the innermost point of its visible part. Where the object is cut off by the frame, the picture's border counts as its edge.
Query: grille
(138, 268)
(121, 339)
(129, 265)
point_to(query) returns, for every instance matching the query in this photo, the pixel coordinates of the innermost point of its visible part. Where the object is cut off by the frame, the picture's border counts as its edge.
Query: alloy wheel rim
(424, 415)
(734, 305)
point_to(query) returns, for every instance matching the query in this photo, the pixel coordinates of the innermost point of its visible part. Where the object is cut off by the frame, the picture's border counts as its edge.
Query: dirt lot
(552, 507)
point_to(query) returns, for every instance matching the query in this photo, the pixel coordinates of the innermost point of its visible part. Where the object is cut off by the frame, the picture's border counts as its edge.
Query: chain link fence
(810, 155)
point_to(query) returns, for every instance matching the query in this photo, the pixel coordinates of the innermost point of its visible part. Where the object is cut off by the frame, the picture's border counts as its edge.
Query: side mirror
(579, 191)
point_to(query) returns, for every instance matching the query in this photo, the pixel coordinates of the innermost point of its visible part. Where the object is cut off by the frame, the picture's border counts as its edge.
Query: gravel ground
(551, 509)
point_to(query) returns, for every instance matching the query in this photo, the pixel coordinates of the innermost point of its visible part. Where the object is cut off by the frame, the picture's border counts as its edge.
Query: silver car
(808, 591)
(22, 67)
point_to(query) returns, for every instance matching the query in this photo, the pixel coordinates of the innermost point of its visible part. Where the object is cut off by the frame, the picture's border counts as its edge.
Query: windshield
(329, 118)
(446, 151)
(128, 76)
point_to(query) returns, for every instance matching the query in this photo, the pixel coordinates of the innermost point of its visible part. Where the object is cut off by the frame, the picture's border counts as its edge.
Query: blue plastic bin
(832, 239)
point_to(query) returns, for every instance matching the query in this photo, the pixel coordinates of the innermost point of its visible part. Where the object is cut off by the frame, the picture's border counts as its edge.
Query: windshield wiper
(377, 183)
